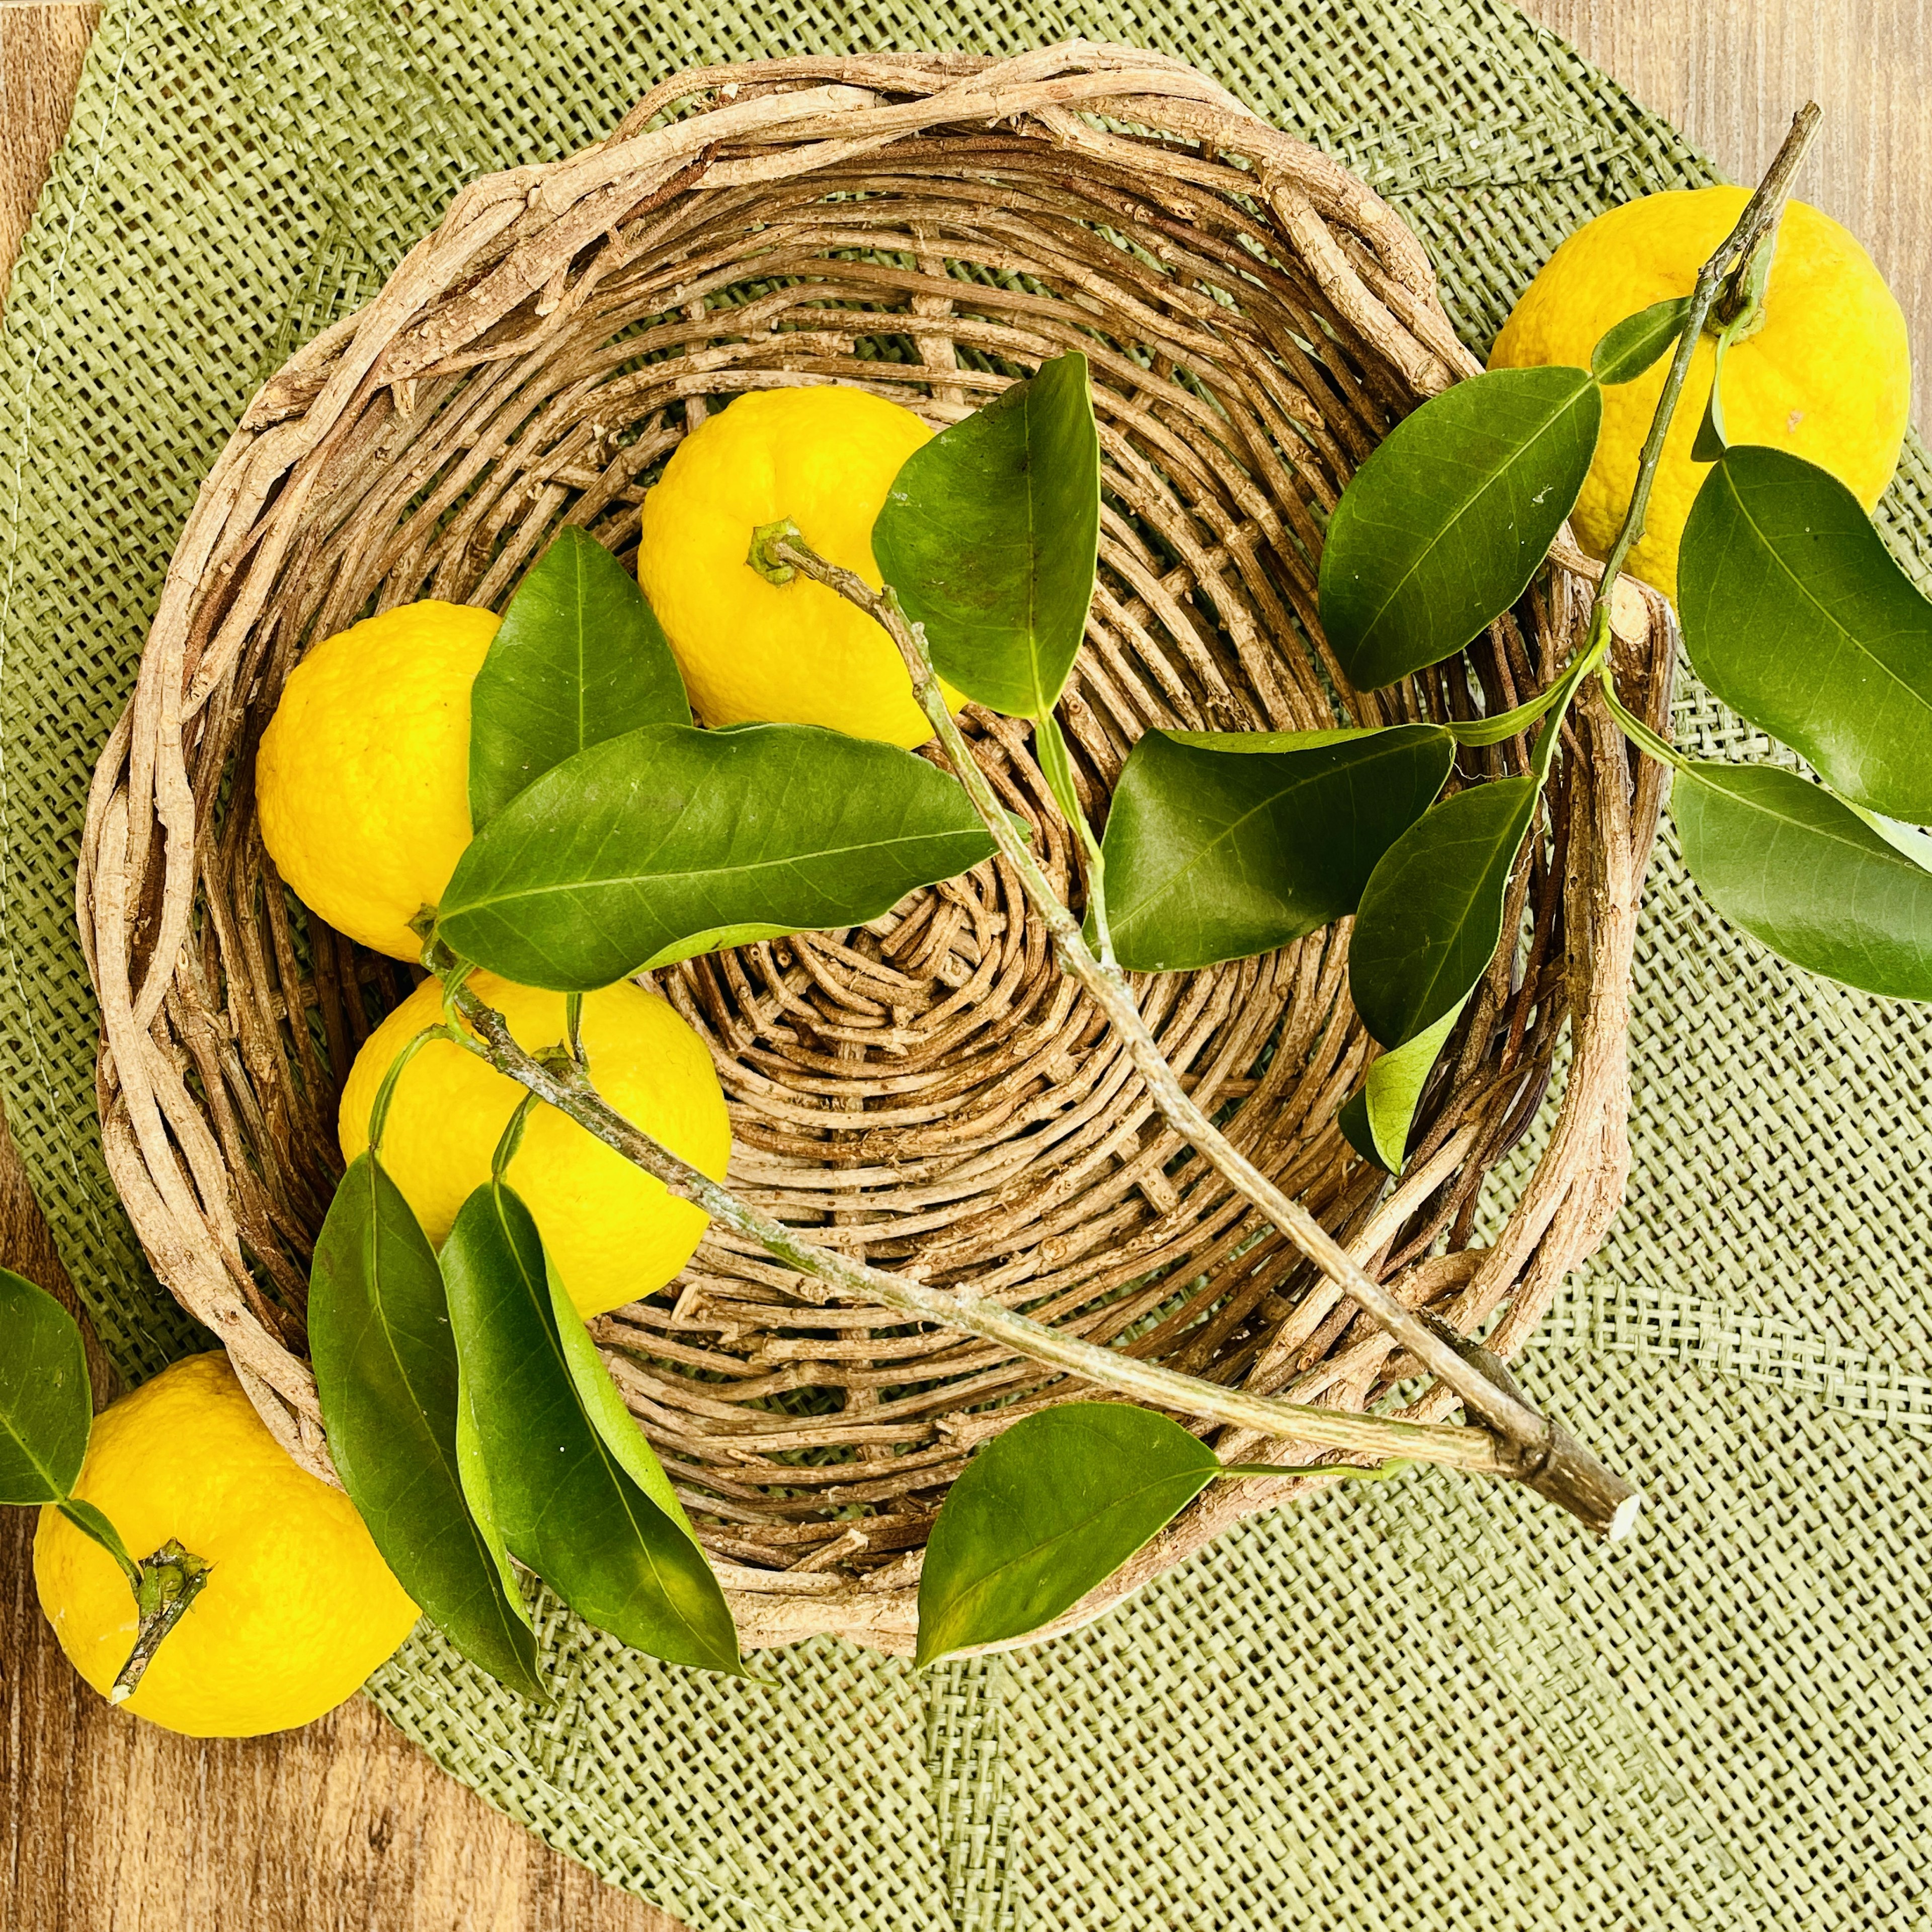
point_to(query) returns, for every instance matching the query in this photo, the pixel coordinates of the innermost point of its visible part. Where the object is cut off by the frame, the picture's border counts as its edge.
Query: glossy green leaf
(1433, 912)
(1442, 529)
(628, 852)
(604, 1407)
(476, 1492)
(46, 1403)
(565, 1503)
(579, 658)
(1046, 1511)
(1797, 616)
(1802, 872)
(1625, 351)
(1375, 1119)
(1222, 844)
(385, 1371)
(990, 534)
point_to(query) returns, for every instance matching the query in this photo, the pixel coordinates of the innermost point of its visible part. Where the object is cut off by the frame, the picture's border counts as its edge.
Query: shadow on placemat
(1420, 1705)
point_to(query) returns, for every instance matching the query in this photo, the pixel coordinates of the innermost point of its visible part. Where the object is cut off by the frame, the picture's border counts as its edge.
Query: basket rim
(509, 240)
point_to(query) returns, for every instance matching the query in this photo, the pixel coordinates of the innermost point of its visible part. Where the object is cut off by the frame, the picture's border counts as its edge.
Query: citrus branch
(560, 1081)
(170, 1580)
(1529, 1446)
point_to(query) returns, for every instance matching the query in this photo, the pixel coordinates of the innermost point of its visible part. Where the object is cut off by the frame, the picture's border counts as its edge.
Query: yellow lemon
(614, 1231)
(363, 775)
(298, 1608)
(1827, 377)
(794, 653)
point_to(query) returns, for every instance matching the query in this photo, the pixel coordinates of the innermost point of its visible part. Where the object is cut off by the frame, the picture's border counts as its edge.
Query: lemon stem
(762, 557)
(1332, 1471)
(553, 1078)
(1511, 1438)
(170, 1580)
(1738, 310)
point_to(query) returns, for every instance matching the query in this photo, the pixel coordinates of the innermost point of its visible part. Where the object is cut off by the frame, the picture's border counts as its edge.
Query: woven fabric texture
(1425, 1704)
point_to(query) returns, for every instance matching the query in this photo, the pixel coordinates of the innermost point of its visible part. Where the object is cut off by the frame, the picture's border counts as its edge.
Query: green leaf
(604, 1407)
(991, 535)
(1797, 616)
(1442, 529)
(719, 939)
(1804, 873)
(46, 1403)
(1710, 442)
(1045, 1512)
(1433, 911)
(386, 1370)
(566, 1504)
(628, 851)
(1222, 844)
(1375, 1119)
(578, 658)
(1626, 352)
(476, 1492)
(91, 1522)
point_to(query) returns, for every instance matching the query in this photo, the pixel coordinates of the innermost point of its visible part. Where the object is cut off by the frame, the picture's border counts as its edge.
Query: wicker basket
(927, 1091)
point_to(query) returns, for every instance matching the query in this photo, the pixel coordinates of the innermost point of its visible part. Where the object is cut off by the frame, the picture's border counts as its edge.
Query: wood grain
(41, 49)
(106, 1823)
(1732, 73)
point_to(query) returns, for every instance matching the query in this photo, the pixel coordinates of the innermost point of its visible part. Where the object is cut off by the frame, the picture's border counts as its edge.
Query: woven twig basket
(926, 1091)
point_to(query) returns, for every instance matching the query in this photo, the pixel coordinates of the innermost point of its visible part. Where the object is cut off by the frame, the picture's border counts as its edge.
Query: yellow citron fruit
(1827, 377)
(614, 1231)
(363, 776)
(794, 653)
(298, 1608)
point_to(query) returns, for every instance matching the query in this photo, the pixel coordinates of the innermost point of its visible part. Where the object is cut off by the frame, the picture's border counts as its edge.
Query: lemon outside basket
(1423, 1702)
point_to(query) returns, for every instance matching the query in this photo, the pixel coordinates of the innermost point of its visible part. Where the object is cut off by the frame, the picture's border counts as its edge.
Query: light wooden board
(106, 1823)
(1732, 73)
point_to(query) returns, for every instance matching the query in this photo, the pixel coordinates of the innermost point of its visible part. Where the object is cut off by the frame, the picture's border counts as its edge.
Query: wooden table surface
(106, 1822)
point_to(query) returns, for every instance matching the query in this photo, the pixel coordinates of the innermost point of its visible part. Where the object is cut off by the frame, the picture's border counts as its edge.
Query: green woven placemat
(1426, 1704)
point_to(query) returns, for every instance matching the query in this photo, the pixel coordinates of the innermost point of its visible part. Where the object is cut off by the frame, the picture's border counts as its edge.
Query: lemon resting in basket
(297, 1607)
(751, 648)
(614, 1231)
(362, 778)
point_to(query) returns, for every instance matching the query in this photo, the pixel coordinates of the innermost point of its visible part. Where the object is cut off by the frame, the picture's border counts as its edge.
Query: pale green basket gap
(1422, 1705)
